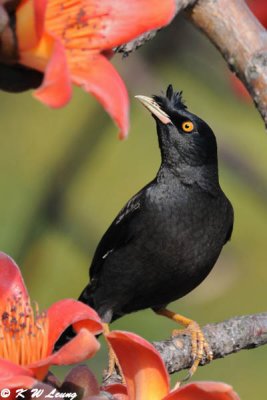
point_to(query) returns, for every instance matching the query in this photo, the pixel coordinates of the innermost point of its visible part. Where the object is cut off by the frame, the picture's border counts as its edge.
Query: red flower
(147, 378)
(259, 9)
(27, 336)
(69, 41)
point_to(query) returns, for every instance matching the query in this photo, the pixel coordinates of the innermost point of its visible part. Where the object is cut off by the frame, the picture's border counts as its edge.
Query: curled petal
(68, 312)
(203, 391)
(55, 90)
(11, 281)
(96, 75)
(83, 346)
(144, 371)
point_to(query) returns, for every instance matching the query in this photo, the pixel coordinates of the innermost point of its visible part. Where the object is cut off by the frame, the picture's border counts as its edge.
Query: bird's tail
(85, 297)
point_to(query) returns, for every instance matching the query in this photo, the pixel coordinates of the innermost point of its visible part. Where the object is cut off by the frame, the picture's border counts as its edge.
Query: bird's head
(184, 138)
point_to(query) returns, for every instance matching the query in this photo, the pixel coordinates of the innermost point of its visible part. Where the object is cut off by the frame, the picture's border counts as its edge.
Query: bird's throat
(203, 176)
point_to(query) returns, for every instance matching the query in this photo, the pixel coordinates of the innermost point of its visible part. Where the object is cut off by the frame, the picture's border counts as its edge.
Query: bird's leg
(113, 361)
(198, 341)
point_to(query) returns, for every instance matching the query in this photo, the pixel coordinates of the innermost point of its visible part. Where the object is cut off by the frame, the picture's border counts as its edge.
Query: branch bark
(225, 338)
(237, 34)
(241, 39)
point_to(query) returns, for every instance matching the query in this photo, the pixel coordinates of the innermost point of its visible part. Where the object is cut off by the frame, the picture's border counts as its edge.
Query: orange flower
(147, 378)
(27, 336)
(69, 41)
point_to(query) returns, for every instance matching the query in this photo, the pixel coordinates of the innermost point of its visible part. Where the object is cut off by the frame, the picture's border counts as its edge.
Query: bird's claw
(111, 365)
(114, 367)
(199, 346)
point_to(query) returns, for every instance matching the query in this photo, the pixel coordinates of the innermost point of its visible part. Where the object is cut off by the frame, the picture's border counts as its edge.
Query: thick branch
(224, 338)
(242, 41)
(237, 34)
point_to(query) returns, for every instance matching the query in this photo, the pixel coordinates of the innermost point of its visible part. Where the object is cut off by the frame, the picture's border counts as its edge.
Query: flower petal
(259, 9)
(18, 381)
(68, 312)
(44, 391)
(13, 375)
(101, 25)
(9, 369)
(30, 19)
(81, 380)
(127, 20)
(144, 371)
(39, 12)
(55, 90)
(203, 391)
(118, 391)
(83, 346)
(98, 76)
(11, 281)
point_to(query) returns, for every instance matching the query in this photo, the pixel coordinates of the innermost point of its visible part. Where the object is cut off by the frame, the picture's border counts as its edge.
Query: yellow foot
(200, 346)
(113, 361)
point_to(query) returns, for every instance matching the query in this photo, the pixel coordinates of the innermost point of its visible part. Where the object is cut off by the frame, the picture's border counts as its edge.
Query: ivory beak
(154, 108)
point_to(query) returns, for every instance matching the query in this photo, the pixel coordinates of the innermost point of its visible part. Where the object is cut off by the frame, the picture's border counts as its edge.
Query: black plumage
(167, 238)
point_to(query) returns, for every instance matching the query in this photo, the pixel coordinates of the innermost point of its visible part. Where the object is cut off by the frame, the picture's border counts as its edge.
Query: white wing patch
(131, 206)
(107, 253)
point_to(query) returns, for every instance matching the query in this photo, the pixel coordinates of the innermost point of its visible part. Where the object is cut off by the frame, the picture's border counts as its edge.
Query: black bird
(167, 238)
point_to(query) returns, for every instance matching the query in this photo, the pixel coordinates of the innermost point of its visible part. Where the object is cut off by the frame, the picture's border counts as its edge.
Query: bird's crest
(172, 101)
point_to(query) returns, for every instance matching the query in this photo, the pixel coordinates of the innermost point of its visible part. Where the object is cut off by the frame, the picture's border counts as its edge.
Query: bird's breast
(185, 227)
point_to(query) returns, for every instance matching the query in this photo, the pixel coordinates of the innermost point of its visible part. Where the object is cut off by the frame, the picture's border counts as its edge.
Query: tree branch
(241, 39)
(224, 338)
(237, 34)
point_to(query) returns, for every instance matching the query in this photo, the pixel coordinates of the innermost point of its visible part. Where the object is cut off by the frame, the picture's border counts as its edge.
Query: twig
(225, 338)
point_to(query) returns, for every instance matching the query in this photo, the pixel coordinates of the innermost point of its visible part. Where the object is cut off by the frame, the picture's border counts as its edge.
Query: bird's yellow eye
(187, 126)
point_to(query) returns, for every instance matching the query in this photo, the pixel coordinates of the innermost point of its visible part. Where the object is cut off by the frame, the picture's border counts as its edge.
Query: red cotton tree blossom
(28, 336)
(146, 376)
(71, 42)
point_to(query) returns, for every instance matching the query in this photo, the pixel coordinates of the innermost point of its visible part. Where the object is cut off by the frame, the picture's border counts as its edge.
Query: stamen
(23, 332)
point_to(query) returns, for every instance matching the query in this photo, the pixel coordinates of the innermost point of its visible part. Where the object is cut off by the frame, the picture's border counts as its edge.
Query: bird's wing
(119, 233)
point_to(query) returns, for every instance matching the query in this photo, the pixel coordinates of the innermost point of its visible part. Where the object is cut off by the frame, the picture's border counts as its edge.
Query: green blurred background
(64, 176)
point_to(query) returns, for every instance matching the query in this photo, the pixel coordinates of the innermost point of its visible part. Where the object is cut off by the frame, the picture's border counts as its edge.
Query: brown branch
(237, 34)
(242, 41)
(224, 338)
